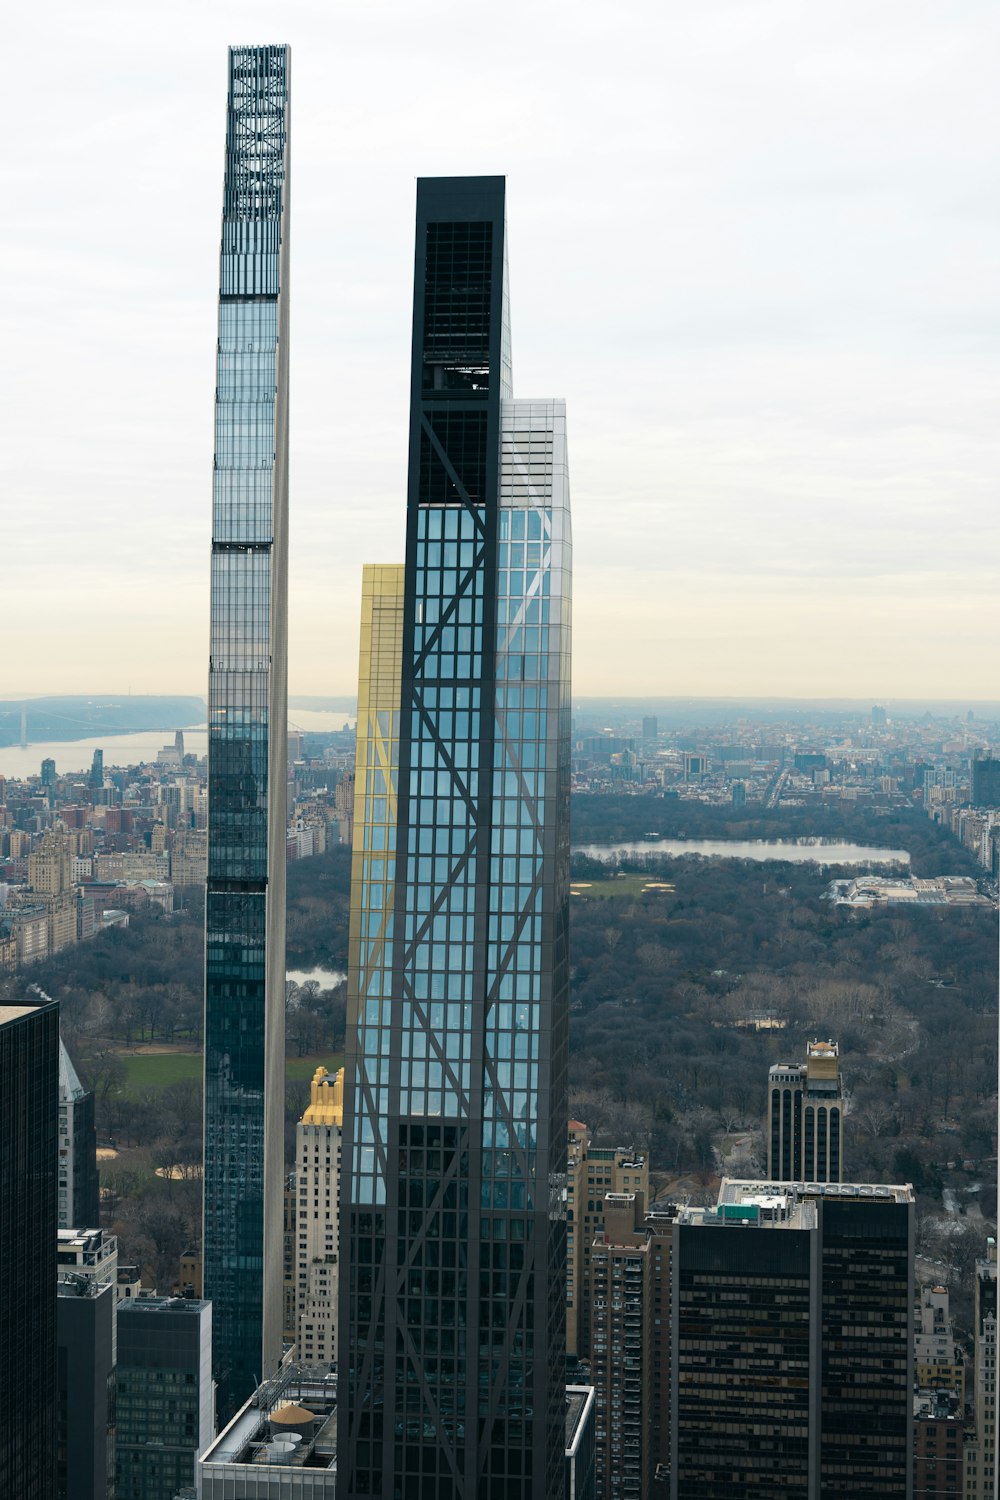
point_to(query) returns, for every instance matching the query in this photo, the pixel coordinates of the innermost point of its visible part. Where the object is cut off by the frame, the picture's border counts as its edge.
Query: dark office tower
(245, 896)
(85, 1322)
(982, 1462)
(29, 1115)
(452, 1312)
(97, 769)
(164, 1411)
(79, 1181)
(793, 1343)
(985, 781)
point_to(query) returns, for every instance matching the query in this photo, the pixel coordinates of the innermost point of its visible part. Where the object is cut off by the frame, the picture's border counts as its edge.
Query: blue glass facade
(452, 1315)
(245, 897)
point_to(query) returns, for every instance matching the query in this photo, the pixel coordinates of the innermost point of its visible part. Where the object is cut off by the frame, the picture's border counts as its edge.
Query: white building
(317, 1154)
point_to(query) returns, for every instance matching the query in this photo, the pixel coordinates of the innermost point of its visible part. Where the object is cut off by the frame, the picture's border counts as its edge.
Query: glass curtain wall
(452, 1318)
(245, 898)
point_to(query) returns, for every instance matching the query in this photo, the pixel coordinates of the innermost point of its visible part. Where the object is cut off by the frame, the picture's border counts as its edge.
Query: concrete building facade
(317, 1219)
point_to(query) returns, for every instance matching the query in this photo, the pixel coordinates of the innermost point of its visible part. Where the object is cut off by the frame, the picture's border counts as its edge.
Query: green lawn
(148, 1071)
(305, 1067)
(630, 885)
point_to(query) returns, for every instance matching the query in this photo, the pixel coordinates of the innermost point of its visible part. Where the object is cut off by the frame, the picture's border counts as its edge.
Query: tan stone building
(593, 1172)
(317, 1219)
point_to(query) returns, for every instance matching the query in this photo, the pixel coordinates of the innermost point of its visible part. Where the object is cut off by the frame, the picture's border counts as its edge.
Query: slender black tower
(453, 1198)
(247, 741)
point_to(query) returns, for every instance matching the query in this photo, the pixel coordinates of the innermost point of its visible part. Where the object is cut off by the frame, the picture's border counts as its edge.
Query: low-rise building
(281, 1445)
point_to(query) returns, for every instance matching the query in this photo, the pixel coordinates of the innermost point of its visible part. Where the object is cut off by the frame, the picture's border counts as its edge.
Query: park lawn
(629, 885)
(147, 1072)
(303, 1068)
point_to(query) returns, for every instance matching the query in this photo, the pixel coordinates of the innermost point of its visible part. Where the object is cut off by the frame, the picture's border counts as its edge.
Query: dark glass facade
(86, 1431)
(745, 1389)
(245, 895)
(29, 1124)
(793, 1344)
(452, 1313)
(867, 1349)
(164, 1395)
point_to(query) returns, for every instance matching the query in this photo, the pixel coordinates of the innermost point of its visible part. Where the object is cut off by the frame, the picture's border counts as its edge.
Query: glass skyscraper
(247, 749)
(452, 1326)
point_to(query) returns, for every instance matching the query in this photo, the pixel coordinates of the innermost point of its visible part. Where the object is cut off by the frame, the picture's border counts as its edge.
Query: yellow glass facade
(375, 784)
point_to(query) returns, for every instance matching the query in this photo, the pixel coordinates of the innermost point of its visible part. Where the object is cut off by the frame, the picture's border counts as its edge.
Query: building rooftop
(740, 1190)
(326, 1103)
(71, 1283)
(786, 1205)
(579, 1401)
(16, 1012)
(162, 1305)
(248, 1439)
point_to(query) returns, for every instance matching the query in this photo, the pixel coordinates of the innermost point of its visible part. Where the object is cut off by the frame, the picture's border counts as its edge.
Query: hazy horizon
(848, 703)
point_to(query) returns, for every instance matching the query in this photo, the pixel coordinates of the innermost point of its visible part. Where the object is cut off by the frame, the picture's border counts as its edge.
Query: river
(132, 749)
(797, 851)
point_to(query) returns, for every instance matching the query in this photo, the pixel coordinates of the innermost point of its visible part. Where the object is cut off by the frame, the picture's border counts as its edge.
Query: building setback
(245, 894)
(29, 1117)
(452, 1306)
(793, 1343)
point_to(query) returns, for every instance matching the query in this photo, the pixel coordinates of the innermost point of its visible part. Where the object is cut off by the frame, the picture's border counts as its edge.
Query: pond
(798, 851)
(327, 979)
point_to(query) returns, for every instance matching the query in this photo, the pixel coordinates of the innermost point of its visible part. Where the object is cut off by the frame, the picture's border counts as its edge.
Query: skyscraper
(164, 1407)
(29, 1114)
(317, 1218)
(980, 1453)
(86, 1333)
(793, 1342)
(452, 1303)
(805, 1128)
(245, 896)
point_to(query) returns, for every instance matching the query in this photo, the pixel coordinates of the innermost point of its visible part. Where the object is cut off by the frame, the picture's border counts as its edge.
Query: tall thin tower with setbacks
(452, 1323)
(247, 751)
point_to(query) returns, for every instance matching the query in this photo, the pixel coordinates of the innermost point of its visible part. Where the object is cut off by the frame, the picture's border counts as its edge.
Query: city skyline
(786, 393)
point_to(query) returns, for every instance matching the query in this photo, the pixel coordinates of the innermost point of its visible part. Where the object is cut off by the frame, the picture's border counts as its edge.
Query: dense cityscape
(493, 1094)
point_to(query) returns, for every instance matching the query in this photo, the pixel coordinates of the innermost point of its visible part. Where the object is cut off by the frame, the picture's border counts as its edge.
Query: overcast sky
(753, 244)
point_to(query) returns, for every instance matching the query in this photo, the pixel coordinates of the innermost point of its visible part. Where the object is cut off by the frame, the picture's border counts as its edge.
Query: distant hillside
(81, 718)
